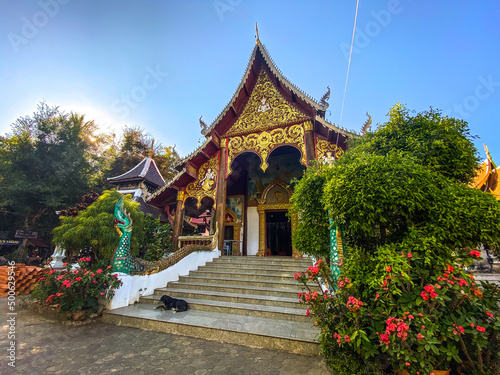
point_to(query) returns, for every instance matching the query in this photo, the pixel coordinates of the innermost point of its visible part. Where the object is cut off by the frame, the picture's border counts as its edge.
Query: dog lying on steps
(170, 303)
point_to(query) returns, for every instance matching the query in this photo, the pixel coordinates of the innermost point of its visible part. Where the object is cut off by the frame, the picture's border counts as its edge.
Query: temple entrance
(278, 233)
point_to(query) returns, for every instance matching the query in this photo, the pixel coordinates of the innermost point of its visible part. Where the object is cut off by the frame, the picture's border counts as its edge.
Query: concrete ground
(46, 346)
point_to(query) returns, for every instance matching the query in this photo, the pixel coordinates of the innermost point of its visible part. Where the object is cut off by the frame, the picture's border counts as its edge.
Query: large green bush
(401, 196)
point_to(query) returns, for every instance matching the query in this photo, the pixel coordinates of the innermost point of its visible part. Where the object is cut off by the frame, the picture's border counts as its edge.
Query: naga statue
(122, 257)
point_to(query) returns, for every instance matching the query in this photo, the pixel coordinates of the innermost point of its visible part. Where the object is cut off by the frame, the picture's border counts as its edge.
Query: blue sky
(161, 64)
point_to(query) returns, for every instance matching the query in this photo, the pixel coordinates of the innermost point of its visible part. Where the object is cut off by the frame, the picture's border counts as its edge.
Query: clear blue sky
(161, 64)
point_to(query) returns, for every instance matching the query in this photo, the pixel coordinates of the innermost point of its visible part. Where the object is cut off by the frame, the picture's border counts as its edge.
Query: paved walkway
(45, 346)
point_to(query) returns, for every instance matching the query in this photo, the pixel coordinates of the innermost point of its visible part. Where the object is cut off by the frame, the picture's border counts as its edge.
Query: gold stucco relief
(266, 109)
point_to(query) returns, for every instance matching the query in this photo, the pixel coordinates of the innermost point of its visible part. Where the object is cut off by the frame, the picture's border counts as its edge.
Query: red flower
(108, 267)
(308, 312)
(420, 336)
(377, 295)
(102, 293)
(99, 270)
(388, 269)
(51, 272)
(78, 278)
(347, 338)
(489, 314)
(87, 259)
(384, 339)
(407, 363)
(474, 253)
(480, 329)
(410, 255)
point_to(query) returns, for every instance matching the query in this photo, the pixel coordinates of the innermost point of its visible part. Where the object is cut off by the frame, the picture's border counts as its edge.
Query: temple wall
(253, 231)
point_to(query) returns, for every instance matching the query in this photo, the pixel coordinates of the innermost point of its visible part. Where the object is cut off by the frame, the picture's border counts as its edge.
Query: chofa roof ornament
(324, 99)
(367, 125)
(203, 126)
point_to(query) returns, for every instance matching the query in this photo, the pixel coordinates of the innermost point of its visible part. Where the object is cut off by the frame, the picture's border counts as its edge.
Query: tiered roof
(146, 170)
(295, 97)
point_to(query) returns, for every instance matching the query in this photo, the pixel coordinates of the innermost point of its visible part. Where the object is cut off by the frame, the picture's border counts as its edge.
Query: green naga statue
(122, 257)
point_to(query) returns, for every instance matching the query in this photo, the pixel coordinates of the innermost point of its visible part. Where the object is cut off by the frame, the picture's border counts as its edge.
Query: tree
(44, 166)
(409, 218)
(441, 143)
(134, 146)
(93, 228)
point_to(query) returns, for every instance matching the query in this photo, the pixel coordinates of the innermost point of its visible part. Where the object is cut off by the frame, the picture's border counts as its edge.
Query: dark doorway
(278, 233)
(228, 240)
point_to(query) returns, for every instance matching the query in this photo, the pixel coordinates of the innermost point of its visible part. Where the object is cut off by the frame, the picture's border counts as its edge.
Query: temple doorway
(278, 233)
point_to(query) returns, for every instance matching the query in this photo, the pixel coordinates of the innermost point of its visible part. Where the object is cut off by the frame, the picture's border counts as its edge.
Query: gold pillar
(221, 194)
(309, 142)
(262, 232)
(179, 219)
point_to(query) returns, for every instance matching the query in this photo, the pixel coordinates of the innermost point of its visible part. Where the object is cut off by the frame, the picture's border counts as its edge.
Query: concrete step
(275, 334)
(292, 284)
(291, 266)
(230, 297)
(243, 300)
(262, 311)
(248, 270)
(290, 270)
(240, 289)
(302, 262)
(237, 274)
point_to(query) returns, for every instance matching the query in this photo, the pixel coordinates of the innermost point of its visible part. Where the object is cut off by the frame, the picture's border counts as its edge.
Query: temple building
(266, 136)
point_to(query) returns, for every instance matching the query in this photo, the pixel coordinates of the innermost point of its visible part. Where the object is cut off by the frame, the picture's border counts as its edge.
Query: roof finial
(151, 151)
(257, 32)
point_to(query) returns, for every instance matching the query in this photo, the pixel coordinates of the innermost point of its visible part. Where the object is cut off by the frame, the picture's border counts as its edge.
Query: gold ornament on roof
(265, 142)
(205, 185)
(266, 109)
(327, 152)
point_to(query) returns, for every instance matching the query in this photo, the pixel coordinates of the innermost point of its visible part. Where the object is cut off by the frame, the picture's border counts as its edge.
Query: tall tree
(44, 165)
(134, 146)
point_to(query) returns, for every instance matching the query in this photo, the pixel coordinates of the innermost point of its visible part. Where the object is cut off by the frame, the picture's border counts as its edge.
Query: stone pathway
(45, 346)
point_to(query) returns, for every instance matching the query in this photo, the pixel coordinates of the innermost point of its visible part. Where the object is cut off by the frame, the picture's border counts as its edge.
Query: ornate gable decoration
(266, 109)
(327, 152)
(205, 185)
(265, 142)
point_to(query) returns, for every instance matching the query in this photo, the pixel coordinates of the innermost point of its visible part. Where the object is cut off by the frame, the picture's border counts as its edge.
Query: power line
(349, 64)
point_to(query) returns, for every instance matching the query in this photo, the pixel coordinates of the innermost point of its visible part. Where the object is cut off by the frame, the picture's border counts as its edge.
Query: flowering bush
(403, 313)
(80, 289)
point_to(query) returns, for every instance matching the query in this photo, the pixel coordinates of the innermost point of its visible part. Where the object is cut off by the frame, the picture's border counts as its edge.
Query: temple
(266, 136)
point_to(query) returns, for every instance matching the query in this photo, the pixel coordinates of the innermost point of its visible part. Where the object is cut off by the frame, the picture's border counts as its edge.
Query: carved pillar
(221, 193)
(179, 219)
(309, 142)
(295, 223)
(262, 232)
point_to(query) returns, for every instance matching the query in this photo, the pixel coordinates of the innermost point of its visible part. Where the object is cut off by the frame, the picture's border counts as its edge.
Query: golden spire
(257, 32)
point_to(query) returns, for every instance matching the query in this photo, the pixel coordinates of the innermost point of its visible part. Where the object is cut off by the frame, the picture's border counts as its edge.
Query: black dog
(169, 303)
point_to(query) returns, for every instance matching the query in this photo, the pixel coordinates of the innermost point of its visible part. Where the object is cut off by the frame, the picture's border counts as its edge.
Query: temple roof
(486, 178)
(304, 106)
(146, 170)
